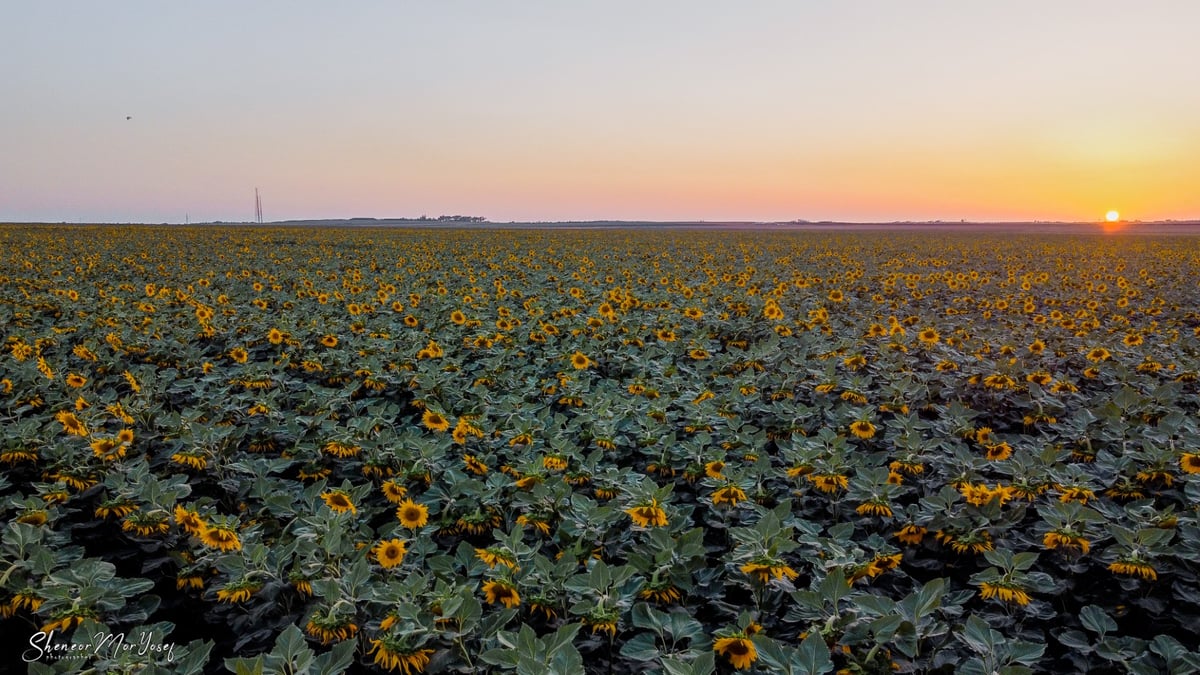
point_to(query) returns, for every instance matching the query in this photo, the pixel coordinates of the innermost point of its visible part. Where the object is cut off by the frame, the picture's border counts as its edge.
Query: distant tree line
(456, 219)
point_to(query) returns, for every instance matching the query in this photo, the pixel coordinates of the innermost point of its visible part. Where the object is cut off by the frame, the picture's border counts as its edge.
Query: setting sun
(1112, 216)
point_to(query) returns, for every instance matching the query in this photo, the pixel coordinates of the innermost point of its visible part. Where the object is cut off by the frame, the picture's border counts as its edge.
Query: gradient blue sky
(632, 110)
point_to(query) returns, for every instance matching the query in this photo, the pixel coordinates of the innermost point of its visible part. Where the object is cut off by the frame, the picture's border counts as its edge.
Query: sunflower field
(286, 450)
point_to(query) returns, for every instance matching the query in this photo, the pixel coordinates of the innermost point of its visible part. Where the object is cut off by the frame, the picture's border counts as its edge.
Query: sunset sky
(857, 110)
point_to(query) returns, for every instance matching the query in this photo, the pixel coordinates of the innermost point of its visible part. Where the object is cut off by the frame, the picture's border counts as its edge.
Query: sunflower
(275, 336)
(190, 458)
(853, 397)
(1075, 493)
(1040, 378)
(341, 450)
(999, 452)
(1134, 567)
(435, 421)
(538, 522)
(75, 380)
(763, 570)
(648, 515)
(26, 598)
(313, 472)
(973, 542)
(220, 537)
(1004, 591)
(738, 649)
(71, 424)
(910, 534)
(14, 456)
(496, 556)
(714, 468)
(35, 517)
(475, 466)
(663, 593)
(391, 656)
(728, 494)
(339, 501)
(1066, 540)
(393, 491)
(145, 525)
(929, 337)
(605, 493)
(239, 354)
(1098, 354)
(238, 591)
(412, 515)
(329, 341)
(191, 582)
(116, 508)
(1189, 462)
(874, 508)
(500, 591)
(189, 520)
(862, 429)
(855, 362)
(65, 620)
(303, 586)
(108, 449)
(828, 482)
(389, 553)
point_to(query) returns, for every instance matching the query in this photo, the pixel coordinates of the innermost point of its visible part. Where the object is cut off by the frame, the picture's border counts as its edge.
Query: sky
(863, 110)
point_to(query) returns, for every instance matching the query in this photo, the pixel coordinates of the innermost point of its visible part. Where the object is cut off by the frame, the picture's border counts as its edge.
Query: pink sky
(571, 111)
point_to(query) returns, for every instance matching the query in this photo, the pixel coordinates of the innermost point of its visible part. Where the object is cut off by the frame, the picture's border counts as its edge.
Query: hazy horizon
(864, 112)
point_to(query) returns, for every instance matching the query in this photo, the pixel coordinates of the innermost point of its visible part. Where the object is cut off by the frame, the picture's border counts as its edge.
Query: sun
(1112, 216)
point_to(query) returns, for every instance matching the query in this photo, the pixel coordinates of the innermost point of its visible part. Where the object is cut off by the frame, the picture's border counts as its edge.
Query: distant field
(673, 448)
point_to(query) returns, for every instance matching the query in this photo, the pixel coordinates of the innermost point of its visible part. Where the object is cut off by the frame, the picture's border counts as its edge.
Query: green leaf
(906, 639)
(645, 616)
(291, 647)
(978, 635)
(642, 647)
(813, 656)
(834, 587)
(600, 578)
(771, 654)
(925, 600)
(1178, 659)
(1076, 640)
(704, 664)
(336, 660)
(684, 627)
(1025, 652)
(1096, 620)
(500, 657)
(196, 659)
(252, 666)
(885, 627)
